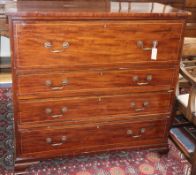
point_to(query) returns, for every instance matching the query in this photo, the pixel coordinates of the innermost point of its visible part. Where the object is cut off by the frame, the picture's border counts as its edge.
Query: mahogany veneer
(88, 108)
(96, 81)
(111, 42)
(85, 78)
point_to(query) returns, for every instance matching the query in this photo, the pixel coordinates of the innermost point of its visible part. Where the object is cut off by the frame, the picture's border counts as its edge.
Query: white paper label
(154, 54)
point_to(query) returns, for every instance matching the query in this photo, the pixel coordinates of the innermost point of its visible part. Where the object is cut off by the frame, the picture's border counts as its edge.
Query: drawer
(89, 82)
(73, 138)
(90, 44)
(94, 108)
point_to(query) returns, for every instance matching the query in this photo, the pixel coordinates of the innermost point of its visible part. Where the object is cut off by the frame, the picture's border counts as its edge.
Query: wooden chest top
(93, 9)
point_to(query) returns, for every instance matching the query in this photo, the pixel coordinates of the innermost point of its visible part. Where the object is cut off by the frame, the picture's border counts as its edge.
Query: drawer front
(94, 108)
(83, 44)
(78, 138)
(75, 83)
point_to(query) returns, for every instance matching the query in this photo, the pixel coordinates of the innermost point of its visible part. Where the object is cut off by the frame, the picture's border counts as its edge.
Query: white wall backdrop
(5, 47)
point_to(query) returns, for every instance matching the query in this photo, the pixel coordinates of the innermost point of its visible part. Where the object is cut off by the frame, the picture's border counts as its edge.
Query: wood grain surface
(82, 83)
(94, 108)
(82, 138)
(93, 43)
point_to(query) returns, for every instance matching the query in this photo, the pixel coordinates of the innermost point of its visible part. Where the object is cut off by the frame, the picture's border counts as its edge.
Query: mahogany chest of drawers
(92, 76)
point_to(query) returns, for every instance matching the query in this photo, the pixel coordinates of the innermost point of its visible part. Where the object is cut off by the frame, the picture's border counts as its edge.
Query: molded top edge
(93, 9)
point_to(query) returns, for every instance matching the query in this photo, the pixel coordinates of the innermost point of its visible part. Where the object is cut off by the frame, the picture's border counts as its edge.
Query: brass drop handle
(142, 84)
(140, 44)
(49, 45)
(130, 133)
(50, 84)
(148, 79)
(145, 104)
(48, 111)
(139, 109)
(49, 141)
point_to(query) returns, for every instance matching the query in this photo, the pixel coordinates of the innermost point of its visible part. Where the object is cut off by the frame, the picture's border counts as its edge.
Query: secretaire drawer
(73, 138)
(94, 108)
(89, 44)
(76, 83)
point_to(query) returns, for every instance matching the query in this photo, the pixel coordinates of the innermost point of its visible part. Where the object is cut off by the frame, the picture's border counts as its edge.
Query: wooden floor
(5, 78)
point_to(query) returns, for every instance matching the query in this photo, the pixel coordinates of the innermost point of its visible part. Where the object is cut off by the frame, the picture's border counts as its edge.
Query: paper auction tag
(154, 54)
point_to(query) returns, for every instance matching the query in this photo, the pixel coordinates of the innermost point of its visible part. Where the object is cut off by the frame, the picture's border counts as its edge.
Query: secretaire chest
(92, 76)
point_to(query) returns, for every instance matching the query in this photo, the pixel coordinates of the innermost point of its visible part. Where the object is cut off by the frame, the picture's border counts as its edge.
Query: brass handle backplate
(49, 45)
(131, 133)
(140, 44)
(49, 83)
(146, 82)
(49, 112)
(50, 141)
(144, 106)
